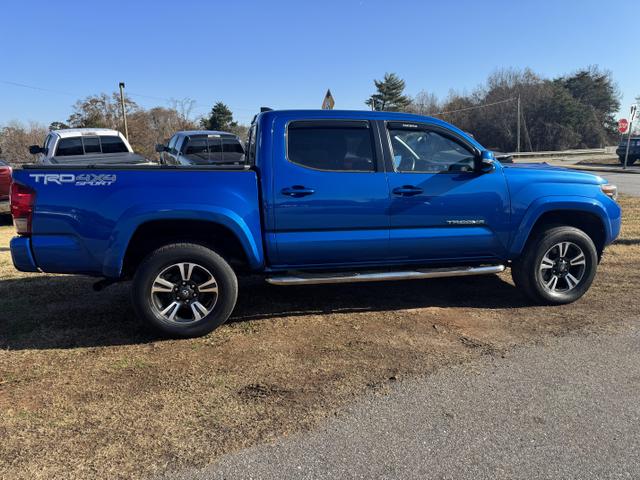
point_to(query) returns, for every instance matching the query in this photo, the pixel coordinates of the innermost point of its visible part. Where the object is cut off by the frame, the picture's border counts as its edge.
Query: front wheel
(630, 160)
(557, 266)
(184, 290)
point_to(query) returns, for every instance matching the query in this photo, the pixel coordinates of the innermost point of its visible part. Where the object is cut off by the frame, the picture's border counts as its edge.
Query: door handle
(297, 191)
(407, 190)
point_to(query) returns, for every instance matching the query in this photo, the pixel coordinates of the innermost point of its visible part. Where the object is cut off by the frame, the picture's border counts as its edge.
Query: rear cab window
(213, 149)
(232, 150)
(70, 146)
(333, 145)
(90, 145)
(113, 144)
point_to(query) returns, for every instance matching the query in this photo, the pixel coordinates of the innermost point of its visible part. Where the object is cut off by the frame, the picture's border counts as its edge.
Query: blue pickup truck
(324, 197)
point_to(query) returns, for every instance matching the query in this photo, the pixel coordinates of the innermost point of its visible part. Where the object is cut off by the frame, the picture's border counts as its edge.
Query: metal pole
(626, 155)
(124, 112)
(518, 127)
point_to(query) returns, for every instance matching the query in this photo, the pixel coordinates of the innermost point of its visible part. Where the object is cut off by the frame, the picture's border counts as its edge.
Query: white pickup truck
(85, 146)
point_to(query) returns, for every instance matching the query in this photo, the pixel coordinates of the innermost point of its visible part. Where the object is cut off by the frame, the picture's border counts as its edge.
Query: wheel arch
(231, 237)
(585, 214)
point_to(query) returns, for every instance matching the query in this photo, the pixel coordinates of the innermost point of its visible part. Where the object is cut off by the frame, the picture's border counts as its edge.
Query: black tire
(168, 259)
(529, 276)
(630, 160)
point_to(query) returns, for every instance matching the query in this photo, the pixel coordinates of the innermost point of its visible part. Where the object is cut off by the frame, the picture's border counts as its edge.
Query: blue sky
(285, 54)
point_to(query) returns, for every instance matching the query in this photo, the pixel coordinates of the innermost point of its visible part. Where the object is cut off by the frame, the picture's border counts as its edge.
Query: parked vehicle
(325, 196)
(634, 150)
(202, 147)
(5, 184)
(85, 146)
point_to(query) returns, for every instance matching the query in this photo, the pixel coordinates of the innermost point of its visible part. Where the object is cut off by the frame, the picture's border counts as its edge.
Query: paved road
(568, 409)
(628, 183)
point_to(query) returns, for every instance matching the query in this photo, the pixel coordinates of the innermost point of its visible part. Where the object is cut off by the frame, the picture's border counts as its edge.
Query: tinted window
(69, 146)
(48, 142)
(91, 144)
(232, 150)
(331, 147)
(251, 147)
(204, 150)
(113, 144)
(197, 149)
(429, 151)
(172, 144)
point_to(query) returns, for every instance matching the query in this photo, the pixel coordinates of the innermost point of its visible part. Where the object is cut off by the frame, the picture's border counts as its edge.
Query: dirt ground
(88, 392)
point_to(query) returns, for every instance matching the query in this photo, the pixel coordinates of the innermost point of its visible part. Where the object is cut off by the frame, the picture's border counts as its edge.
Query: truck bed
(101, 159)
(84, 217)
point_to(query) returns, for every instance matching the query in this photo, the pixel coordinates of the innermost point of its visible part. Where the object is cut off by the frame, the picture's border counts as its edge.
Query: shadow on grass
(63, 311)
(627, 241)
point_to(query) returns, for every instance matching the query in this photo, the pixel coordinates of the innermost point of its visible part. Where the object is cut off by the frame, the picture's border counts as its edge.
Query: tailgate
(5, 182)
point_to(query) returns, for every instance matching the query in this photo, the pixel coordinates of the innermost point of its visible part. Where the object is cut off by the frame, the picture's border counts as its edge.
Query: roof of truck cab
(356, 114)
(75, 132)
(367, 114)
(204, 132)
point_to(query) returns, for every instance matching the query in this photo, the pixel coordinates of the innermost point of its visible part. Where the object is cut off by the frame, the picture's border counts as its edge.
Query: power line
(475, 106)
(51, 90)
(23, 85)
(168, 100)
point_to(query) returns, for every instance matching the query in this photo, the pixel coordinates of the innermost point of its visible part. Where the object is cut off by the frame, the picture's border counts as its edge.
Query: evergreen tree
(389, 95)
(220, 118)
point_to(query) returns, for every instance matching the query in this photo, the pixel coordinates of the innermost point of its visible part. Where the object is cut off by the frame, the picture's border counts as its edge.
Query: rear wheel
(557, 266)
(184, 290)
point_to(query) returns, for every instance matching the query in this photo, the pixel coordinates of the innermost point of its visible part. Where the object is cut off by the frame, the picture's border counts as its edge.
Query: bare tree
(184, 107)
(425, 103)
(16, 137)
(101, 111)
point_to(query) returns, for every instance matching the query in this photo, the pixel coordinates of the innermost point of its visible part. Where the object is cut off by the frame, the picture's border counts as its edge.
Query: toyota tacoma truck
(324, 197)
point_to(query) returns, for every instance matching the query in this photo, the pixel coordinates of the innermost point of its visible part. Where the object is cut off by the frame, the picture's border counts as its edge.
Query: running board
(351, 277)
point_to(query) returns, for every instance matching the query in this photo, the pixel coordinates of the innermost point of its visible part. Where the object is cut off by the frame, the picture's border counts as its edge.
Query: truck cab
(76, 146)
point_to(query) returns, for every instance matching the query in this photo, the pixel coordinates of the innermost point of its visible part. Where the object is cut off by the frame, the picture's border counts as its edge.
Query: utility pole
(634, 108)
(124, 111)
(518, 126)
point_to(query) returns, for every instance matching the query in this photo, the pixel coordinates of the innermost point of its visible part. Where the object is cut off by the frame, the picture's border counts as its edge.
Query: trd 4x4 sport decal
(81, 180)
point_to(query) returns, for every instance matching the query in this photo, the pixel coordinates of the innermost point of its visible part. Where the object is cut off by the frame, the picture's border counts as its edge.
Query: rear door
(329, 195)
(442, 209)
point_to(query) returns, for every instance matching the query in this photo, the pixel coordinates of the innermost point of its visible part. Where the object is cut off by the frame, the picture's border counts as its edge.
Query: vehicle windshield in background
(72, 146)
(213, 149)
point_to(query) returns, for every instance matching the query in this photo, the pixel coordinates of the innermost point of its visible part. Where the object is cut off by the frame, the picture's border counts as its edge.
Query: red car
(5, 186)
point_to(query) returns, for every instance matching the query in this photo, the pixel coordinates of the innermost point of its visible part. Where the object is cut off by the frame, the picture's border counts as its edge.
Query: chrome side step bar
(351, 277)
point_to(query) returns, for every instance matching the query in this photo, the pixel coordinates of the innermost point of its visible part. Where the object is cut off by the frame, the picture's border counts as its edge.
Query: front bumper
(21, 254)
(5, 206)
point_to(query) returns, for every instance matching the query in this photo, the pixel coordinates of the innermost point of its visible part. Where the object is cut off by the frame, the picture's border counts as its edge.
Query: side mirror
(487, 162)
(35, 149)
(161, 148)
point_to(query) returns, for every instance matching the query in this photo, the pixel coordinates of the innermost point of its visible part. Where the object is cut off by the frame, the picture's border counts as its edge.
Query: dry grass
(85, 391)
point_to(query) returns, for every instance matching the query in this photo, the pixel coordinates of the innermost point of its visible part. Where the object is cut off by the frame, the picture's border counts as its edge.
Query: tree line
(146, 126)
(576, 110)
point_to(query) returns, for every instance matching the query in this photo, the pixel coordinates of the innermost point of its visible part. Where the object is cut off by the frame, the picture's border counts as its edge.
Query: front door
(442, 209)
(330, 195)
